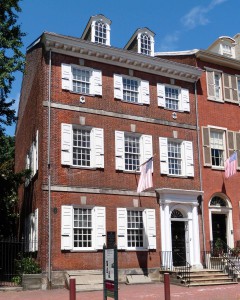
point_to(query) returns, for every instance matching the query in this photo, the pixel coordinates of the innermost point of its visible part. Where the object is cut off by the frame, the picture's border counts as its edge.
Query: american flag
(231, 165)
(145, 180)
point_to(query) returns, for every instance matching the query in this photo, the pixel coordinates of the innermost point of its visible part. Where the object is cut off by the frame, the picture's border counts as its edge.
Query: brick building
(218, 115)
(89, 115)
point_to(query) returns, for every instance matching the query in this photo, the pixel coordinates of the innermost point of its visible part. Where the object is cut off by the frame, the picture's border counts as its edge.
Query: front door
(219, 227)
(178, 243)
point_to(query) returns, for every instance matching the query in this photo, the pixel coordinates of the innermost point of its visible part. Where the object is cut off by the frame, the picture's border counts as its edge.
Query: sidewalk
(134, 292)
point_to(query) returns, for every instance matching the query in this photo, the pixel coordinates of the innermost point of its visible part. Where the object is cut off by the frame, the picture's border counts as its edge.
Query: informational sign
(109, 264)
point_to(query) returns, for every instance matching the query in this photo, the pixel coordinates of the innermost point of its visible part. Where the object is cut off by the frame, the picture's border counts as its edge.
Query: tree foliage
(11, 61)
(11, 57)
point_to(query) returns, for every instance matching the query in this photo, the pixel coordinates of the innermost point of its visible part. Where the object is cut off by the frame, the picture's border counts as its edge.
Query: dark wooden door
(178, 243)
(219, 227)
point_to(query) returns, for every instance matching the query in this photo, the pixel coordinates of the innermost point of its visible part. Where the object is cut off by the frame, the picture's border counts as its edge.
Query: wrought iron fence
(183, 271)
(12, 250)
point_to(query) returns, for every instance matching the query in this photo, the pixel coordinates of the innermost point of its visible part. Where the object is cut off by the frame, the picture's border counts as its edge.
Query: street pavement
(134, 292)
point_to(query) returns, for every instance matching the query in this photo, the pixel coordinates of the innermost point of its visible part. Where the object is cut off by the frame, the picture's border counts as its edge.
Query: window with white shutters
(81, 80)
(136, 229)
(130, 89)
(82, 146)
(83, 228)
(176, 157)
(32, 159)
(173, 98)
(131, 150)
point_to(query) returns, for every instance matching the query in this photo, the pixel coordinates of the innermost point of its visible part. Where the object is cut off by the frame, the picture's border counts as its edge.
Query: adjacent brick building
(89, 115)
(218, 117)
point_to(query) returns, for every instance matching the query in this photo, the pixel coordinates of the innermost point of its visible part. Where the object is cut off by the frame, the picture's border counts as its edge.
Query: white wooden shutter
(96, 82)
(36, 230)
(145, 98)
(100, 226)
(227, 87)
(118, 86)
(122, 228)
(234, 85)
(185, 105)
(161, 95)
(31, 155)
(31, 232)
(97, 150)
(188, 147)
(147, 148)
(163, 144)
(66, 77)
(119, 150)
(67, 227)
(237, 137)
(66, 144)
(210, 85)
(206, 146)
(37, 146)
(150, 228)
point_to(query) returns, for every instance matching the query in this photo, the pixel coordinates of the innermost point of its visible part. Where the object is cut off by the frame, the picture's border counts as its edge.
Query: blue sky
(178, 24)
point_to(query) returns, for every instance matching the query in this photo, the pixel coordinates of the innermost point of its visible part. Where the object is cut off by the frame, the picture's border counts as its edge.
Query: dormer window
(142, 42)
(145, 44)
(227, 50)
(98, 30)
(100, 33)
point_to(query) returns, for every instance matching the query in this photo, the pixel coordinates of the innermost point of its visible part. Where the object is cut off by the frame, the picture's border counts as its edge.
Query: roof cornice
(218, 59)
(115, 56)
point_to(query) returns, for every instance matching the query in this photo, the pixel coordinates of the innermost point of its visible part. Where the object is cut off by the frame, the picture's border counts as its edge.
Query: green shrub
(25, 265)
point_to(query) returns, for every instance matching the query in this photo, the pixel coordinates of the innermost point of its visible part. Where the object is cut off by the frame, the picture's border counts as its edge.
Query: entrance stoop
(136, 279)
(86, 280)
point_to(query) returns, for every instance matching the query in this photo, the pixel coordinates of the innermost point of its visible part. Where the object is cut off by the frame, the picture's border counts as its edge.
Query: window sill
(136, 103)
(217, 168)
(137, 250)
(83, 168)
(77, 251)
(179, 176)
(216, 100)
(174, 110)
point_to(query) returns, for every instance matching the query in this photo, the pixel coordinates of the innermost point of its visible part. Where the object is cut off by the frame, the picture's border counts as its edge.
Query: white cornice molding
(115, 56)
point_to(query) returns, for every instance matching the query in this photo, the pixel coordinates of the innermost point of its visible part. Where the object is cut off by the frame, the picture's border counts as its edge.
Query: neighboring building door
(178, 243)
(219, 227)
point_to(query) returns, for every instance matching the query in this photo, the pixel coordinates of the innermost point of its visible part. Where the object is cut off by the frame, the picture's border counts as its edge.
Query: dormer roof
(135, 41)
(89, 31)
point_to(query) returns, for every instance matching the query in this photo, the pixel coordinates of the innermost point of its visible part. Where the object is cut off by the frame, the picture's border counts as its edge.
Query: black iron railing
(13, 250)
(182, 269)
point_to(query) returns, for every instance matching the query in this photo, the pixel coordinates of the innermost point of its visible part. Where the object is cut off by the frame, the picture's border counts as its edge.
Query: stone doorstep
(136, 279)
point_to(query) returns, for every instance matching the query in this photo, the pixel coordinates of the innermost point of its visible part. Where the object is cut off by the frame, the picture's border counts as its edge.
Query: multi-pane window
(134, 229)
(82, 228)
(130, 90)
(81, 147)
(227, 50)
(217, 148)
(81, 81)
(175, 158)
(145, 44)
(132, 152)
(100, 33)
(172, 98)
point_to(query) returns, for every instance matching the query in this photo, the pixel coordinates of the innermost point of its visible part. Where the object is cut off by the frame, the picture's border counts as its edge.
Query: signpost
(110, 272)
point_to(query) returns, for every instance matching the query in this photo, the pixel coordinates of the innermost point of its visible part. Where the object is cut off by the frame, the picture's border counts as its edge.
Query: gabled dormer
(142, 41)
(98, 30)
(224, 45)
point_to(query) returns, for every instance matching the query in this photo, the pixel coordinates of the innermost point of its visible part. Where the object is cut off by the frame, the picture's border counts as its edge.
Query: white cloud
(168, 43)
(197, 16)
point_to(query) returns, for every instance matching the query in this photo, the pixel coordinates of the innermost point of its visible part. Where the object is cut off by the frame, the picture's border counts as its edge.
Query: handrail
(185, 270)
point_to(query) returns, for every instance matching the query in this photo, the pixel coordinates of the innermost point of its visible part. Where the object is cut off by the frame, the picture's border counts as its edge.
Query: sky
(178, 24)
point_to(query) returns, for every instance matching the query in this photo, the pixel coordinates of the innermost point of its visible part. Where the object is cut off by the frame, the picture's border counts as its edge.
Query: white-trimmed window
(173, 97)
(82, 146)
(146, 44)
(131, 150)
(31, 232)
(81, 80)
(176, 157)
(214, 145)
(227, 50)
(131, 89)
(136, 229)
(83, 228)
(100, 32)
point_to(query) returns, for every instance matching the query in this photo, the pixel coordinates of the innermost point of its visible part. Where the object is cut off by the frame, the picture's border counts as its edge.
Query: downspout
(49, 171)
(200, 168)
